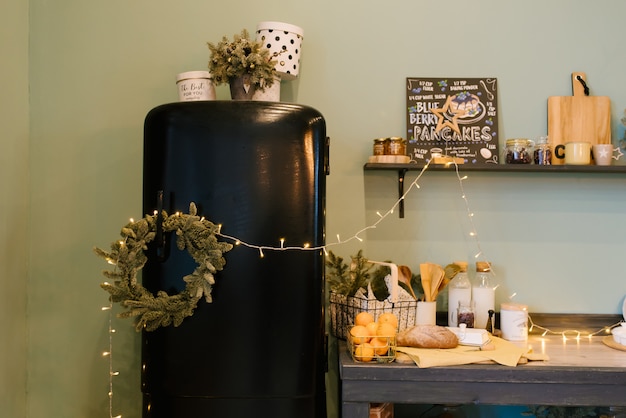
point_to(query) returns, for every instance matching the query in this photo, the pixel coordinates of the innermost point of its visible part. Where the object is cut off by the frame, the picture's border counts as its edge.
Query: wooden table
(582, 372)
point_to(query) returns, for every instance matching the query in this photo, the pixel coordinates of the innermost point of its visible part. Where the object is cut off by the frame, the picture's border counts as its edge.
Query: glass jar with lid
(543, 152)
(380, 146)
(397, 146)
(465, 313)
(518, 151)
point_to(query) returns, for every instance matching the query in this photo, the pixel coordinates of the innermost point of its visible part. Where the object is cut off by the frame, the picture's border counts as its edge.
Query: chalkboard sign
(452, 117)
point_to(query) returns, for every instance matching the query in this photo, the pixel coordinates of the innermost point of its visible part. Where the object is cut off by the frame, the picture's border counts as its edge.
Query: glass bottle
(459, 289)
(483, 294)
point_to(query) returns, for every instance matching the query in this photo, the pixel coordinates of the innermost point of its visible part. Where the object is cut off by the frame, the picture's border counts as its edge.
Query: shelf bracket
(401, 173)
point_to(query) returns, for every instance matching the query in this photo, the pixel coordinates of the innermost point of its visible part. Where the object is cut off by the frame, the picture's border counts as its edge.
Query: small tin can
(195, 86)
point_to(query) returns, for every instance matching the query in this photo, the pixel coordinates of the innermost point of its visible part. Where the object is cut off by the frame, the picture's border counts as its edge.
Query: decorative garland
(196, 235)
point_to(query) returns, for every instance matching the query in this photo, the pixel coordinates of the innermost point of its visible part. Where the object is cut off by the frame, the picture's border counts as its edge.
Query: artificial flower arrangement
(242, 57)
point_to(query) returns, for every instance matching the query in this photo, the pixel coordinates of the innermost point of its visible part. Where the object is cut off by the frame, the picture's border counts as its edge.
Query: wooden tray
(608, 340)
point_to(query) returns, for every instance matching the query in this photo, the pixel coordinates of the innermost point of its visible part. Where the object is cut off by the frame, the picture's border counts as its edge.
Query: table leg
(355, 410)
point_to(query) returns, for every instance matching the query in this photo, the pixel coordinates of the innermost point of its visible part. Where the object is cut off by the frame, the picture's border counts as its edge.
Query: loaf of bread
(427, 336)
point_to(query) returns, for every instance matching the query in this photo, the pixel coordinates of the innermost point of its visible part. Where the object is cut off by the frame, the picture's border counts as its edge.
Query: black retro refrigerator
(259, 170)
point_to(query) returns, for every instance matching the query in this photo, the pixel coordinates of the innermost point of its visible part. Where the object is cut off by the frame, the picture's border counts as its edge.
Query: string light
(324, 248)
(109, 354)
(573, 333)
(308, 247)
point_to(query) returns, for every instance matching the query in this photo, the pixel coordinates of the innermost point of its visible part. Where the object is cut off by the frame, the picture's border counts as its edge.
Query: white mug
(576, 153)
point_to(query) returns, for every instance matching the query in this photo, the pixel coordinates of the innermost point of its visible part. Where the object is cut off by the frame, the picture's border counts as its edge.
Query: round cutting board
(608, 340)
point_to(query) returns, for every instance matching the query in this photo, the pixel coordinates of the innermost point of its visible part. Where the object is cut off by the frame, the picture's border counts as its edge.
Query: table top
(581, 371)
(585, 352)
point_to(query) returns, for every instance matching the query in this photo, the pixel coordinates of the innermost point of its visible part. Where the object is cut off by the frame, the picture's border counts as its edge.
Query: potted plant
(243, 63)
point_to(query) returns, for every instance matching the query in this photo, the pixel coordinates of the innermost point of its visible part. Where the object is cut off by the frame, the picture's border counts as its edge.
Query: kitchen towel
(505, 353)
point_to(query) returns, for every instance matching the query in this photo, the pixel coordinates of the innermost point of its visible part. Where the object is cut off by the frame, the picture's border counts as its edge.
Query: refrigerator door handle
(327, 156)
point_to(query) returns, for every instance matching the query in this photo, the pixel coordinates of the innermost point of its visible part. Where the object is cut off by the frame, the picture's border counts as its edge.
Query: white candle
(514, 321)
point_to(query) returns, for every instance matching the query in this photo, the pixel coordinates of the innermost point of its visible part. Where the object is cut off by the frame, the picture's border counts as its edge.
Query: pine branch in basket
(348, 279)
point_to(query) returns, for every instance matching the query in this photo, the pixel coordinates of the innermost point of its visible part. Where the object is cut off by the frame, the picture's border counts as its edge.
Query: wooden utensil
(578, 118)
(404, 276)
(437, 278)
(425, 273)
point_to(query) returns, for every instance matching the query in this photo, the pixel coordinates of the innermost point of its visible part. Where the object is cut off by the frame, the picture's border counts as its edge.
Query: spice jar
(518, 151)
(380, 146)
(397, 146)
(543, 152)
(465, 313)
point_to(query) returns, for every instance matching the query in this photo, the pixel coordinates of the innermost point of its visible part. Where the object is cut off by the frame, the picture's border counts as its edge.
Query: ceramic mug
(603, 154)
(575, 153)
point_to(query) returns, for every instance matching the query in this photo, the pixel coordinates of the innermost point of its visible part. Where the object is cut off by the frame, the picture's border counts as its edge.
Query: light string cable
(109, 354)
(572, 333)
(307, 247)
(470, 215)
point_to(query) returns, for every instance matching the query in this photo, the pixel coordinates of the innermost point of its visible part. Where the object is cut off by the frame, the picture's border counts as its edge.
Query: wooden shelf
(505, 168)
(401, 169)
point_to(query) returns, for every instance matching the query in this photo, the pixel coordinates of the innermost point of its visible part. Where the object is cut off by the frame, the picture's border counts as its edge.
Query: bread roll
(427, 336)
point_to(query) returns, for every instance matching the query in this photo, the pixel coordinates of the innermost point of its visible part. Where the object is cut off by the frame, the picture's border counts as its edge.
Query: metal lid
(518, 141)
(193, 74)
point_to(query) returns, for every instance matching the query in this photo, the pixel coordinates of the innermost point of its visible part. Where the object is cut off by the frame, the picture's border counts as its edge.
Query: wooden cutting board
(578, 118)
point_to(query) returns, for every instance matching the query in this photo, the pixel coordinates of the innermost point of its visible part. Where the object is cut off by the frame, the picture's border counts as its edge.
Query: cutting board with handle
(578, 118)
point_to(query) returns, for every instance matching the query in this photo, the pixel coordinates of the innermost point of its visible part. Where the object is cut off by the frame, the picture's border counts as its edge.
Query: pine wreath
(196, 235)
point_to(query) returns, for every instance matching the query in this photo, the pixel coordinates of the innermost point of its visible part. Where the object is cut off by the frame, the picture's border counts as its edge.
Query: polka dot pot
(285, 44)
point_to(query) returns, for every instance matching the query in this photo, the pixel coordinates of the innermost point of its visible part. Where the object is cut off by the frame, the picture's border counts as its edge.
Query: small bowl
(619, 334)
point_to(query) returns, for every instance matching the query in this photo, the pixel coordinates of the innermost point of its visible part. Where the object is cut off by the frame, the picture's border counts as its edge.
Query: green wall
(95, 69)
(14, 213)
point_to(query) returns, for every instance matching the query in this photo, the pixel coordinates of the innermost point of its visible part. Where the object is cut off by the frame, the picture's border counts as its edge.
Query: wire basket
(344, 309)
(385, 352)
